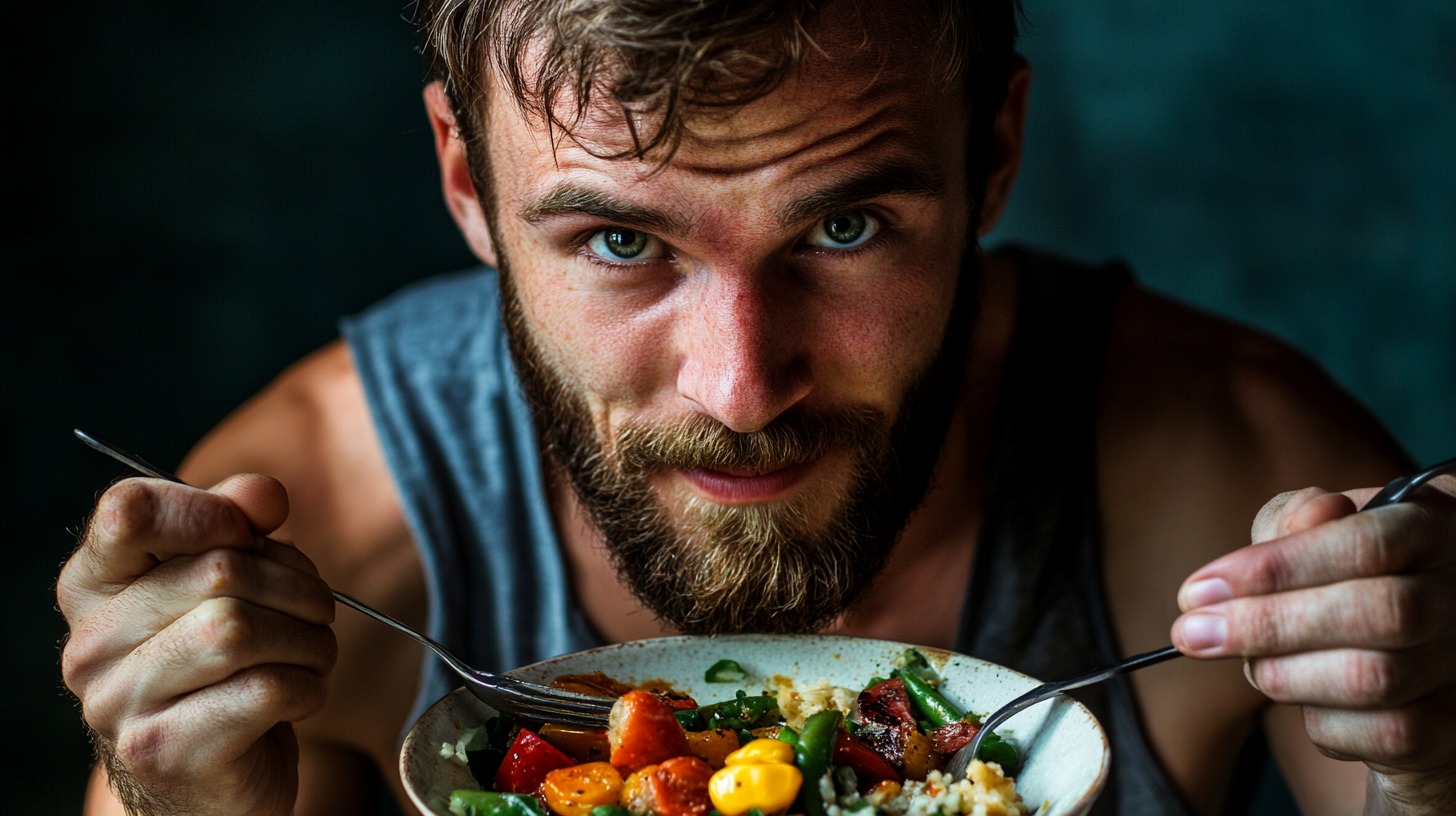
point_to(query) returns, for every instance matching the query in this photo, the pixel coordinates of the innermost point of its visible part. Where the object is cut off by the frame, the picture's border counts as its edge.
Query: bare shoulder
(1202, 421)
(1230, 403)
(310, 429)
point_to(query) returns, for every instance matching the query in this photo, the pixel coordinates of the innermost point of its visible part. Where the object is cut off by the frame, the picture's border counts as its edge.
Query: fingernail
(1207, 592)
(1205, 632)
(1249, 674)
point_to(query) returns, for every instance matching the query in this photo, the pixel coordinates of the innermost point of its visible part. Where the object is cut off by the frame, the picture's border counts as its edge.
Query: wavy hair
(661, 59)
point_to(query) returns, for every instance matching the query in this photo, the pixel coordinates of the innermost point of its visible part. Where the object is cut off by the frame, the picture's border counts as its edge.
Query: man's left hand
(1353, 617)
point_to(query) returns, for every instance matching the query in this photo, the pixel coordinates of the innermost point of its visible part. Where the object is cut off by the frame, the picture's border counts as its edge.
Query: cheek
(876, 342)
(611, 354)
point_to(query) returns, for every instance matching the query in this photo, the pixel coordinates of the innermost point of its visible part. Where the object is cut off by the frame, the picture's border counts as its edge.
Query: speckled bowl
(1065, 748)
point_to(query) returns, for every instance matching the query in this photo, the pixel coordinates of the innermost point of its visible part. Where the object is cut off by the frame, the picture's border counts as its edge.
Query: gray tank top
(458, 438)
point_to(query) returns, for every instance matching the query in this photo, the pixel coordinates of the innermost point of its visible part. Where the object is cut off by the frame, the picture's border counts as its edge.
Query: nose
(744, 361)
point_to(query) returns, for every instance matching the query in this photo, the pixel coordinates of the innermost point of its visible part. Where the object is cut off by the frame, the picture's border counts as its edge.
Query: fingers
(1391, 540)
(1395, 740)
(139, 523)
(1361, 679)
(1393, 612)
(204, 646)
(1298, 510)
(185, 744)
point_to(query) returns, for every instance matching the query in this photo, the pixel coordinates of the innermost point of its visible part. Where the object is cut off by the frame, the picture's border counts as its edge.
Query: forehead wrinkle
(718, 154)
(567, 198)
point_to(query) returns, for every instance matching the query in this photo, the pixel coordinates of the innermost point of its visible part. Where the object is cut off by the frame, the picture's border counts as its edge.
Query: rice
(986, 791)
(797, 702)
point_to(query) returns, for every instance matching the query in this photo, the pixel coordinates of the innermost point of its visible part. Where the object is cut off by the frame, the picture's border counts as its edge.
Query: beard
(767, 567)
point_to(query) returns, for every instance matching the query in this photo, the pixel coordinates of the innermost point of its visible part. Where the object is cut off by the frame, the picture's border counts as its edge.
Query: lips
(745, 487)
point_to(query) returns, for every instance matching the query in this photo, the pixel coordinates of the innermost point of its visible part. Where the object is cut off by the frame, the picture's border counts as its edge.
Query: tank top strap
(1036, 599)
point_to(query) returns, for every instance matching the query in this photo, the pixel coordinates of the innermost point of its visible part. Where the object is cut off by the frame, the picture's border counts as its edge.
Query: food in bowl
(815, 749)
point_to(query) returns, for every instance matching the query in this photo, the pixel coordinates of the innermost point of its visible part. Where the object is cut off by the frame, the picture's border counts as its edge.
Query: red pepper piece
(643, 731)
(886, 703)
(679, 787)
(952, 737)
(527, 762)
(868, 766)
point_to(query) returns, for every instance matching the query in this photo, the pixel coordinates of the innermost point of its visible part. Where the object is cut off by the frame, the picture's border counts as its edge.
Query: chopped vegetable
(1003, 753)
(759, 776)
(868, 766)
(713, 745)
(491, 803)
(579, 789)
(725, 671)
(743, 712)
(527, 762)
(674, 787)
(643, 731)
(666, 756)
(581, 744)
(813, 754)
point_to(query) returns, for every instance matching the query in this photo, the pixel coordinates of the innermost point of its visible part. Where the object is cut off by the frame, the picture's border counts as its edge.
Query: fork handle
(1051, 689)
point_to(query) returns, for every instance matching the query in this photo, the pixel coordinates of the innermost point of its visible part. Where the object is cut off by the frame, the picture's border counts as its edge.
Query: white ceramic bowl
(1065, 749)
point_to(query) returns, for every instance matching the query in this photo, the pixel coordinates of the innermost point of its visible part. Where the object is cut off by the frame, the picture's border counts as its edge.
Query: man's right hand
(195, 642)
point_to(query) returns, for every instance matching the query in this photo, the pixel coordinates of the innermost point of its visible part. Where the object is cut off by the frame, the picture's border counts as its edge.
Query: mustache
(699, 441)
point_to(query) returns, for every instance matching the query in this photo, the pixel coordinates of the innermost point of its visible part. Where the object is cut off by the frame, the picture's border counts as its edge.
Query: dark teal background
(198, 190)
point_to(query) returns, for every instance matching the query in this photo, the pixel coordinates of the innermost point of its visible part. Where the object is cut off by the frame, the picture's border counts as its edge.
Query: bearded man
(737, 362)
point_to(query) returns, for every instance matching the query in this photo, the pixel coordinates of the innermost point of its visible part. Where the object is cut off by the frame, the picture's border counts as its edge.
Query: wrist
(1430, 793)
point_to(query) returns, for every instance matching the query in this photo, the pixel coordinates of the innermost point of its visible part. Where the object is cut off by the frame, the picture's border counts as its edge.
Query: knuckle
(142, 749)
(1398, 614)
(76, 664)
(1261, 625)
(222, 570)
(1372, 678)
(1270, 676)
(127, 509)
(1371, 549)
(1396, 739)
(290, 692)
(226, 626)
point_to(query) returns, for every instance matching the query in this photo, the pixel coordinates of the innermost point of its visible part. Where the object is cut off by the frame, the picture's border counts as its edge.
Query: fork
(1395, 491)
(508, 695)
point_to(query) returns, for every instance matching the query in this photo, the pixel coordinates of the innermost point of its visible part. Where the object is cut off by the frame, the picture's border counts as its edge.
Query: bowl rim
(937, 656)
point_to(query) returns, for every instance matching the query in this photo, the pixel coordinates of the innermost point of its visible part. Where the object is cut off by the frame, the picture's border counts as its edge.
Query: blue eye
(845, 230)
(619, 244)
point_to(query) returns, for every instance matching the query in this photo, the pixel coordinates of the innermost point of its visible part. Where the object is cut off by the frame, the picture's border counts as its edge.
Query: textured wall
(203, 188)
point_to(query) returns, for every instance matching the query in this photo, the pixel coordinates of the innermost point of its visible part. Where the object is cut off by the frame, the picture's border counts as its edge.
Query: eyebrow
(571, 199)
(904, 178)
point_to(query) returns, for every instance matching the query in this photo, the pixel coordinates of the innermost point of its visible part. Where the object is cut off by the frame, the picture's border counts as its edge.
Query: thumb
(1297, 511)
(263, 500)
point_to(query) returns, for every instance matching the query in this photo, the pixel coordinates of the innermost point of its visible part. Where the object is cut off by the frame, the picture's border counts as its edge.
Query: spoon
(1395, 491)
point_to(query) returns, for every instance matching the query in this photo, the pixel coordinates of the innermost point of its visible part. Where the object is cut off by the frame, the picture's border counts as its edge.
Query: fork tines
(546, 704)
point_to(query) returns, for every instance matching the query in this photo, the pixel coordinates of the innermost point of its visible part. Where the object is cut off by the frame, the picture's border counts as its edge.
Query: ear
(1006, 144)
(460, 194)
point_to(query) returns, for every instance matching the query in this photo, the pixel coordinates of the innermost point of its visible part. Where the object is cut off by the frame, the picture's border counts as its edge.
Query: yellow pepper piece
(761, 751)
(769, 786)
(575, 790)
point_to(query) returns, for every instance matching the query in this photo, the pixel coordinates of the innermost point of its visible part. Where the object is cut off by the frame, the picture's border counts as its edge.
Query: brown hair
(660, 59)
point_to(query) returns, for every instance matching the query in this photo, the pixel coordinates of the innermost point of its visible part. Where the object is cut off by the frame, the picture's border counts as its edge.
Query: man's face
(741, 359)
